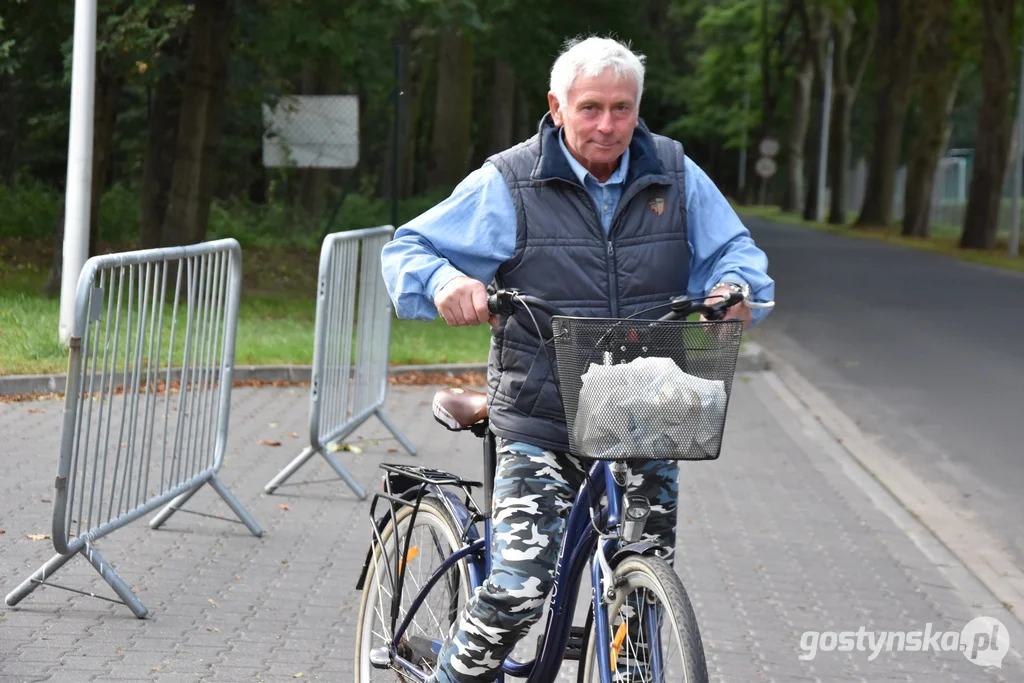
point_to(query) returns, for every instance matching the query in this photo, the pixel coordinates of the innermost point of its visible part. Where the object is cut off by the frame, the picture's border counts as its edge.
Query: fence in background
(949, 193)
(350, 349)
(148, 396)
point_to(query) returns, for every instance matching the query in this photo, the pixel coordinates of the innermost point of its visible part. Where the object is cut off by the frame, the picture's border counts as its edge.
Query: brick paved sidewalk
(775, 539)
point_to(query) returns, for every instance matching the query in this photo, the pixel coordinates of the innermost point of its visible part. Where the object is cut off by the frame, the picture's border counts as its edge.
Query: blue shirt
(605, 195)
(473, 232)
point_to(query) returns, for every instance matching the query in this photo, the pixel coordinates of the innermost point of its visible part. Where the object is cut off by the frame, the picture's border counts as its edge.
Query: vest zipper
(613, 280)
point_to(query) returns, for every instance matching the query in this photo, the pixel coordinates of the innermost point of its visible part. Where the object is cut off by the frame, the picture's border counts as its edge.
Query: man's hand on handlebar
(738, 311)
(463, 301)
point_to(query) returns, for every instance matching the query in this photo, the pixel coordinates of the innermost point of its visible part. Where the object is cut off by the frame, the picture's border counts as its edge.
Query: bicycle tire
(657, 576)
(433, 516)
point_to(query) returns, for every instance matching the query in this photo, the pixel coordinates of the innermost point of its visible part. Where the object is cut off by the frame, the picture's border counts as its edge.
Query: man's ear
(555, 107)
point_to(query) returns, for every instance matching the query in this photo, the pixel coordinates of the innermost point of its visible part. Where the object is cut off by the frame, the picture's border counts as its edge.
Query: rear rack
(407, 485)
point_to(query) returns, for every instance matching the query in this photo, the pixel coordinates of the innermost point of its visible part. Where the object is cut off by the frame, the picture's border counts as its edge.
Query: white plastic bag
(650, 409)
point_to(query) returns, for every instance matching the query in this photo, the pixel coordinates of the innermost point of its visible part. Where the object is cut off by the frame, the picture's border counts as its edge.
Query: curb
(752, 358)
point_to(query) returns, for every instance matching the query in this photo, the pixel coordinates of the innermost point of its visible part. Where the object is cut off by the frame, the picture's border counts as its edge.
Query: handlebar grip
(719, 308)
(499, 301)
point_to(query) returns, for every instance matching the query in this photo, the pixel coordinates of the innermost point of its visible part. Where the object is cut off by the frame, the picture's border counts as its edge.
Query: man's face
(598, 119)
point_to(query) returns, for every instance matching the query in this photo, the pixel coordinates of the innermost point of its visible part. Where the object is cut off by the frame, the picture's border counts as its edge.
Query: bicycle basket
(645, 390)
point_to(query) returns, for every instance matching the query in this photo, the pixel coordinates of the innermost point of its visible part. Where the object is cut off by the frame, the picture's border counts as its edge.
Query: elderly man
(601, 218)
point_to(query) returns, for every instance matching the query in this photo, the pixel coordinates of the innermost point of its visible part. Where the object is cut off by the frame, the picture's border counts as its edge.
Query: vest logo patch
(657, 206)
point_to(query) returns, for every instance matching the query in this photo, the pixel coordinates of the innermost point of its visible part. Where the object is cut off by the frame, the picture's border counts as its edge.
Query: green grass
(275, 322)
(944, 239)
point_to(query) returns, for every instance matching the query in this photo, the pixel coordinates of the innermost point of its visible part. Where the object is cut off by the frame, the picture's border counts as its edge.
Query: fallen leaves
(37, 537)
(465, 379)
(267, 442)
(351, 448)
(294, 435)
(284, 507)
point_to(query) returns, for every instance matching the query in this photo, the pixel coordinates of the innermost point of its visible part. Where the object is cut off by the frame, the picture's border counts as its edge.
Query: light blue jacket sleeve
(721, 248)
(471, 233)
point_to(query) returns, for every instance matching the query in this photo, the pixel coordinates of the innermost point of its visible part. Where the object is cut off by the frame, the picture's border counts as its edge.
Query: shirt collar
(616, 177)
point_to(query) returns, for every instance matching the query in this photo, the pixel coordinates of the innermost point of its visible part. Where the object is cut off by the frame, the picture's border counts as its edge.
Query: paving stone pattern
(774, 541)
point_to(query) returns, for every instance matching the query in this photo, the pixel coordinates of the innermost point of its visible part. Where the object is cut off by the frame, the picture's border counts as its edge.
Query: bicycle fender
(638, 548)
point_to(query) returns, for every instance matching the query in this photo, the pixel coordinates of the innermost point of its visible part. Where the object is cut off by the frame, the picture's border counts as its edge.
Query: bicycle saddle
(459, 409)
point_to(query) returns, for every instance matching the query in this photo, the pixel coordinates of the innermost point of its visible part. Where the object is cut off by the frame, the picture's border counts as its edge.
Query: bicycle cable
(543, 343)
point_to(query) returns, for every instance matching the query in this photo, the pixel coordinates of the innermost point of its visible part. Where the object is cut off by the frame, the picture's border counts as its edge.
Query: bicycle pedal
(573, 647)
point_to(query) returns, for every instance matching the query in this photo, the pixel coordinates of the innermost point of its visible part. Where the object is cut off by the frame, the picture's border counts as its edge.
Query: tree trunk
(938, 93)
(816, 44)
(799, 121)
(417, 70)
(51, 287)
(503, 103)
(981, 220)
(527, 119)
(839, 126)
(453, 109)
(259, 185)
(107, 94)
(899, 28)
(162, 126)
(9, 120)
(844, 95)
(205, 72)
(313, 182)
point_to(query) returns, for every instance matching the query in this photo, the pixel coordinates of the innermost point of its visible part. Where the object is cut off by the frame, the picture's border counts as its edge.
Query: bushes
(29, 209)
(32, 210)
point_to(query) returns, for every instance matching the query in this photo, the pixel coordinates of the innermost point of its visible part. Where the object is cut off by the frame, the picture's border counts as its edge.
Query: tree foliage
(181, 130)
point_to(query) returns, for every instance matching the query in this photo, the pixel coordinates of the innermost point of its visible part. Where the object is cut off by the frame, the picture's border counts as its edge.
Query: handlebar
(503, 302)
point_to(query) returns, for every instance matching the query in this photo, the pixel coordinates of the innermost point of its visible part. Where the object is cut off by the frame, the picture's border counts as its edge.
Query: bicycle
(621, 639)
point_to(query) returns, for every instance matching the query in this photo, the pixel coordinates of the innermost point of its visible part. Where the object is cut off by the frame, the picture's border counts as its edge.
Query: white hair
(592, 57)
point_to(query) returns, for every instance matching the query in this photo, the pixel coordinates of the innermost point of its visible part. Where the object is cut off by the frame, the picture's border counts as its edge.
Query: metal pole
(743, 149)
(79, 177)
(1018, 175)
(826, 120)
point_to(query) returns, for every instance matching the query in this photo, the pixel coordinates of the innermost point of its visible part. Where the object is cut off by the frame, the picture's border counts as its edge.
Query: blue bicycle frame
(578, 545)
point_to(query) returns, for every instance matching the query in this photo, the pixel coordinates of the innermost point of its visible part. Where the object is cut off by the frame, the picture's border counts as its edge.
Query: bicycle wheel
(434, 538)
(649, 600)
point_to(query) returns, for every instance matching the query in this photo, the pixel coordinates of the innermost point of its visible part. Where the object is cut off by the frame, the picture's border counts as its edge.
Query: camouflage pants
(533, 492)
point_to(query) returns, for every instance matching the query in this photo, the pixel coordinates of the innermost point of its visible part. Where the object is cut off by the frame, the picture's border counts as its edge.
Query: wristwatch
(738, 287)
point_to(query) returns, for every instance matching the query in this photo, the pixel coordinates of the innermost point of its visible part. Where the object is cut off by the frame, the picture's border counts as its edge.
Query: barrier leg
(406, 444)
(288, 471)
(343, 473)
(40, 575)
(235, 506)
(172, 507)
(115, 581)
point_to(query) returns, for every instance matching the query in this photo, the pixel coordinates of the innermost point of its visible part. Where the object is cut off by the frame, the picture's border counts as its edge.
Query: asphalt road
(925, 352)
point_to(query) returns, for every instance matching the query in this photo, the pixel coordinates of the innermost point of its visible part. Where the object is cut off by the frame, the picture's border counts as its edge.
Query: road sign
(769, 147)
(312, 131)
(765, 167)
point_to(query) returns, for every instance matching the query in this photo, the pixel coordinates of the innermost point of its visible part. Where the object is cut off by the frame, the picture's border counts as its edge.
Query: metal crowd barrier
(147, 400)
(350, 350)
